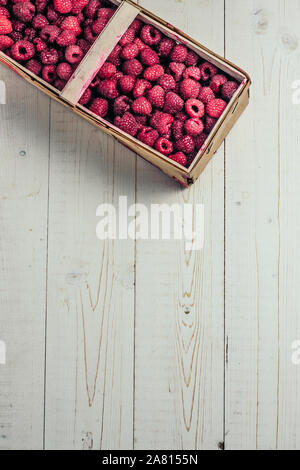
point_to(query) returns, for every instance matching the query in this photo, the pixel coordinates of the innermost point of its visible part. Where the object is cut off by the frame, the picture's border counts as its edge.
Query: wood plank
(179, 295)
(24, 159)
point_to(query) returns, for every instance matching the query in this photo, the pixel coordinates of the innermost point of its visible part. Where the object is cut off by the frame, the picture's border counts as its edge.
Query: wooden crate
(126, 12)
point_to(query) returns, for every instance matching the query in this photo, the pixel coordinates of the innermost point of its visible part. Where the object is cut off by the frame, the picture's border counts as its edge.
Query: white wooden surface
(122, 344)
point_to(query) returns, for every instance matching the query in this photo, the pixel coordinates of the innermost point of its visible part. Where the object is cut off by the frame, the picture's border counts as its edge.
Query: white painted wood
(24, 157)
(179, 356)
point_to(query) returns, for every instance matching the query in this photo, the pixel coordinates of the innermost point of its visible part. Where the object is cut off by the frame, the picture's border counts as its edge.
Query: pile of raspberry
(51, 37)
(160, 92)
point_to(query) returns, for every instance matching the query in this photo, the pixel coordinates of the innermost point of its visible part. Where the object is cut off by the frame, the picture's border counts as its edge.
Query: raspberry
(164, 146)
(78, 6)
(215, 108)
(114, 56)
(165, 47)
(34, 66)
(64, 70)
(5, 42)
(40, 5)
(85, 98)
(50, 33)
(39, 21)
(176, 69)
(148, 136)
(228, 90)
(210, 124)
(127, 123)
(95, 82)
(141, 106)
(179, 157)
(73, 54)
(107, 71)
(207, 70)
(49, 57)
(59, 84)
(99, 25)
(62, 6)
(29, 34)
(179, 53)
(173, 103)
(194, 108)
(186, 144)
(153, 73)
(132, 67)
(99, 107)
(149, 57)
(206, 95)
(192, 72)
(181, 116)
(66, 38)
(191, 59)
(52, 15)
(126, 83)
(24, 11)
(199, 140)
(140, 44)
(83, 44)
(130, 51)
(89, 35)
(18, 26)
(122, 105)
(177, 129)
(140, 87)
(128, 37)
(16, 36)
(71, 23)
(22, 50)
(108, 89)
(216, 82)
(189, 89)
(142, 121)
(150, 35)
(105, 13)
(162, 122)
(91, 8)
(167, 82)
(136, 25)
(193, 126)
(5, 25)
(49, 73)
(156, 96)
(40, 45)
(4, 12)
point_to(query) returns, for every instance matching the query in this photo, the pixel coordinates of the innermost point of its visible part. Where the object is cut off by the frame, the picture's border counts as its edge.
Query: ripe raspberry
(39, 21)
(210, 124)
(99, 107)
(128, 37)
(89, 35)
(71, 23)
(199, 140)
(16, 36)
(194, 126)
(179, 157)
(142, 121)
(173, 103)
(59, 84)
(140, 44)
(142, 106)
(114, 56)
(107, 71)
(106, 13)
(156, 96)
(40, 45)
(126, 83)
(148, 136)
(150, 35)
(228, 90)
(179, 53)
(108, 89)
(49, 73)
(40, 5)
(73, 54)
(3, 2)
(122, 105)
(181, 116)
(24, 11)
(216, 82)
(207, 70)
(192, 72)
(215, 108)
(34, 66)
(52, 15)
(153, 73)
(99, 25)
(167, 82)
(64, 70)
(91, 8)
(78, 6)
(83, 44)
(189, 89)
(66, 38)
(136, 25)
(140, 87)
(49, 57)
(165, 47)
(4, 12)
(194, 108)
(164, 146)
(132, 67)
(130, 51)
(22, 50)
(191, 59)
(177, 129)
(62, 6)
(176, 69)
(85, 98)
(149, 57)
(206, 95)
(50, 33)
(127, 123)
(5, 25)
(18, 26)
(5, 42)
(186, 144)
(29, 34)
(162, 122)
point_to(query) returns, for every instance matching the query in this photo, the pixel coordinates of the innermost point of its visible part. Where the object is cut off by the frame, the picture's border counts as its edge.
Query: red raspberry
(153, 73)
(216, 82)
(89, 35)
(18, 26)
(66, 38)
(99, 25)
(40, 5)
(59, 84)
(91, 8)
(40, 45)
(162, 122)
(34, 66)
(140, 44)
(16, 36)
(179, 157)
(199, 140)
(39, 21)
(4, 12)
(49, 57)
(194, 108)
(132, 67)
(173, 103)
(167, 82)
(207, 70)
(5, 25)
(24, 11)
(176, 69)
(127, 123)
(148, 136)
(164, 146)
(64, 71)
(192, 72)
(3, 2)
(71, 23)
(106, 13)
(142, 106)
(142, 121)
(210, 124)
(177, 129)
(228, 90)
(181, 116)
(165, 47)
(179, 53)
(116, 76)
(78, 6)
(5, 42)
(156, 96)
(126, 83)
(206, 95)
(49, 73)
(189, 89)
(136, 25)
(108, 89)
(150, 35)
(99, 106)
(114, 56)
(107, 71)
(215, 108)
(85, 98)
(186, 144)
(22, 50)
(128, 37)
(52, 15)
(140, 87)
(62, 6)
(130, 51)
(29, 34)
(83, 44)
(50, 33)
(122, 105)
(194, 126)
(149, 57)
(73, 54)
(191, 59)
